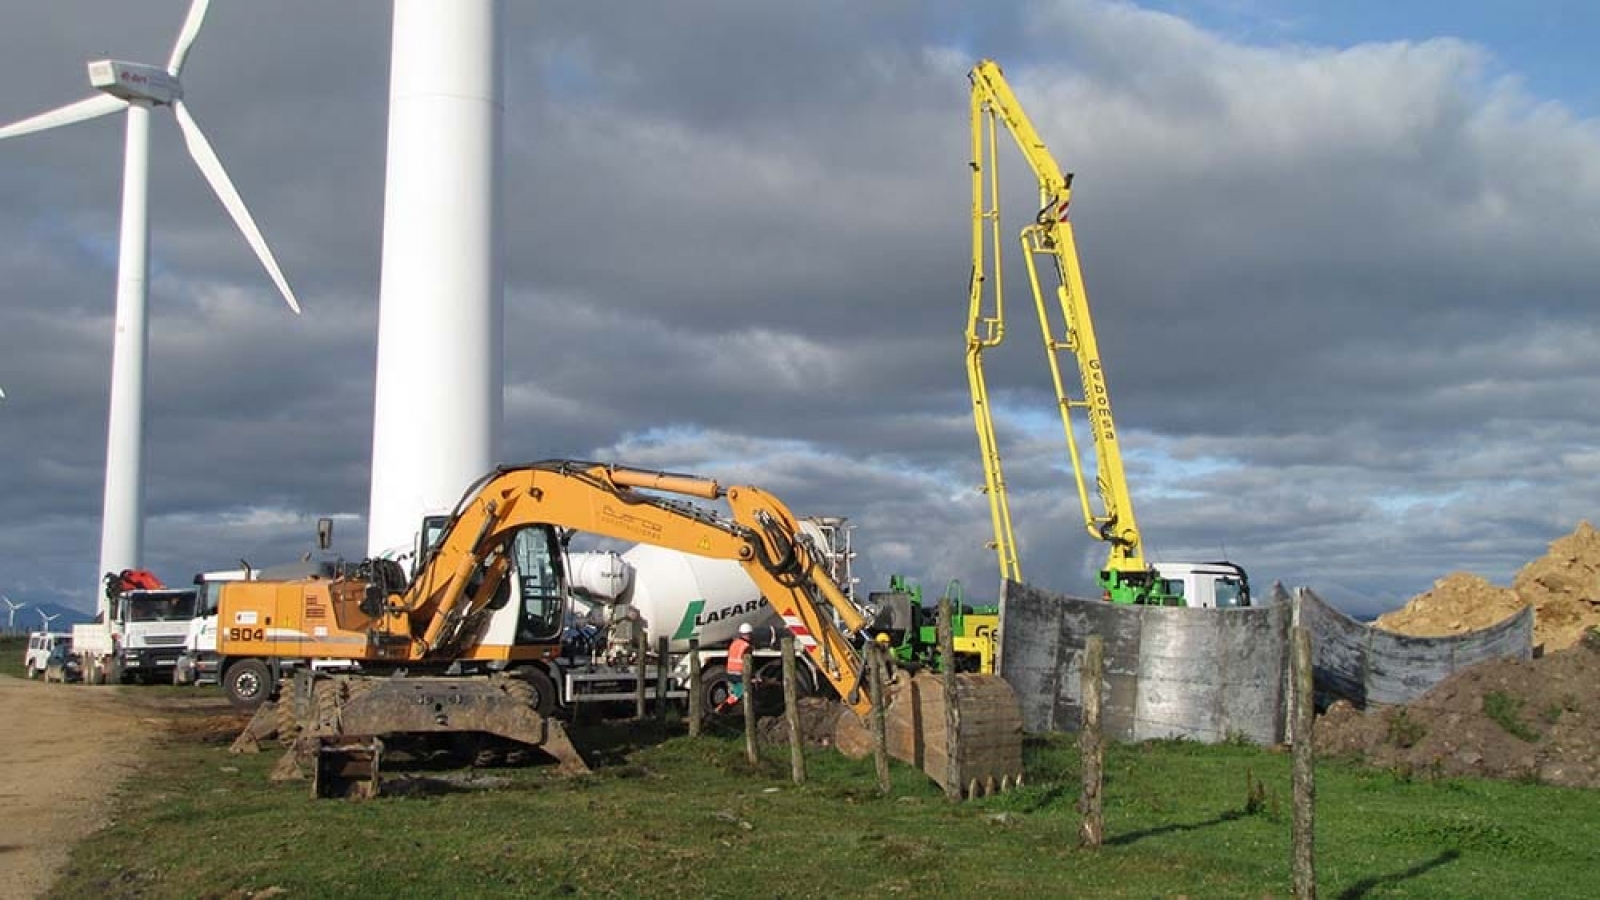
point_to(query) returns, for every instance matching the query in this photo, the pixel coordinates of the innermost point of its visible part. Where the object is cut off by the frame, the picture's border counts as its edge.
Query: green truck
(913, 628)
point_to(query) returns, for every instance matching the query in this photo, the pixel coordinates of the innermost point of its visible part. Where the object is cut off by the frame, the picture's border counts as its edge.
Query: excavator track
(336, 722)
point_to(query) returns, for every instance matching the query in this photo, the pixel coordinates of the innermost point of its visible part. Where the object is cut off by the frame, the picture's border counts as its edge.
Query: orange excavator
(347, 636)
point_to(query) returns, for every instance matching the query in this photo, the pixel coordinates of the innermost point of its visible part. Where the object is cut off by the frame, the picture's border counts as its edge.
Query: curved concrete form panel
(1365, 665)
(1201, 674)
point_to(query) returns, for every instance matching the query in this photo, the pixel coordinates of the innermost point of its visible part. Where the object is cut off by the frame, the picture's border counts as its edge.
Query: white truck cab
(139, 638)
(1212, 585)
(198, 663)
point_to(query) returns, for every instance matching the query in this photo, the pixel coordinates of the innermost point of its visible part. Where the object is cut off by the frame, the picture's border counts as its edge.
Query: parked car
(40, 644)
(62, 666)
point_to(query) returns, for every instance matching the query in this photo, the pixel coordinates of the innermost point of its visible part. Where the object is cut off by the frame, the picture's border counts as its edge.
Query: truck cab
(198, 663)
(1210, 585)
(151, 627)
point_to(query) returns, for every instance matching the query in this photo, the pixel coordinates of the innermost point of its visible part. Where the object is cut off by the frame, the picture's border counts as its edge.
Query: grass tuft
(1503, 709)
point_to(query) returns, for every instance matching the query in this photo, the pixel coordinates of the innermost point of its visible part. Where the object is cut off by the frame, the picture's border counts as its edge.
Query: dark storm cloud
(1344, 294)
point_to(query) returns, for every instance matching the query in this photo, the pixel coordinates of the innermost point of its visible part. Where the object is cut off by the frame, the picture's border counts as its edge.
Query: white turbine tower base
(136, 89)
(441, 295)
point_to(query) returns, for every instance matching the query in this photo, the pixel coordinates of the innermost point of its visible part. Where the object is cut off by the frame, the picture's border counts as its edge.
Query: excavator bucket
(337, 716)
(346, 769)
(988, 736)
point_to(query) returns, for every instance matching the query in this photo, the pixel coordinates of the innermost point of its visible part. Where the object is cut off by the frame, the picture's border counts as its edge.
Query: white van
(40, 643)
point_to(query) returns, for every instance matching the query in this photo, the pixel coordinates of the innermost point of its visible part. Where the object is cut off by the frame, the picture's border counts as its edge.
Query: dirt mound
(208, 729)
(1535, 719)
(817, 720)
(1457, 603)
(1563, 586)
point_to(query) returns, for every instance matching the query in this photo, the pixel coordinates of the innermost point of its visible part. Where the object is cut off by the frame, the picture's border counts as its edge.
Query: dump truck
(140, 635)
(429, 654)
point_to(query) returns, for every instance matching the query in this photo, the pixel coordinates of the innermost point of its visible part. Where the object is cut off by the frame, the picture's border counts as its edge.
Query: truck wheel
(715, 688)
(247, 683)
(544, 696)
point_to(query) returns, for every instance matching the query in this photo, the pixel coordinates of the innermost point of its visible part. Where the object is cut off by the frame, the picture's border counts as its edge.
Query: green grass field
(12, 650)
(665, 816)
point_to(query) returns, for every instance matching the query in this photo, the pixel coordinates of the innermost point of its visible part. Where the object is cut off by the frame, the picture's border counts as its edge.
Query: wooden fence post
(748, 704)
(1091, 832)
(1305, 780)
(642, 644)
(791, 712)
(880, 733)
(661, 678)
(696, 711)
(952, 711)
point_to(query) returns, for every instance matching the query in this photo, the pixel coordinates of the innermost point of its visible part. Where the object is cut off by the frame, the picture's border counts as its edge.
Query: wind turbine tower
(137, 89)
(11, 620)
(436, 415)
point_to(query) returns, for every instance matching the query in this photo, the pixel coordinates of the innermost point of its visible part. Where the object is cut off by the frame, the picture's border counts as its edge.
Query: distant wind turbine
(48, 618)
(135, 88)
(11, 621)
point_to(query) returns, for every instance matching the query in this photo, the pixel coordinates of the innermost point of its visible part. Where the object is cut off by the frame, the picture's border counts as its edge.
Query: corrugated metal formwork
(1214, 674)
(1365, 665)
(1201, 674)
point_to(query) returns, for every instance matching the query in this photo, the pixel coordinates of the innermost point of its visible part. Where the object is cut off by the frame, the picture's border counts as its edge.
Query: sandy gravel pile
(1563, 586)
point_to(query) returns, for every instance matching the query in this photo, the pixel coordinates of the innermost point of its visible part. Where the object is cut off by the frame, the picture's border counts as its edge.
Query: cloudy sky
(1341, 264)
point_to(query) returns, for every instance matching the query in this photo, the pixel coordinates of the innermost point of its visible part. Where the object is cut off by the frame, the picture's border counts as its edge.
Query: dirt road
(64, 749)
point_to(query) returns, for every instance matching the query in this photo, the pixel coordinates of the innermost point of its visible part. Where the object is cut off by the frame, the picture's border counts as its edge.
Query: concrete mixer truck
(684, 598)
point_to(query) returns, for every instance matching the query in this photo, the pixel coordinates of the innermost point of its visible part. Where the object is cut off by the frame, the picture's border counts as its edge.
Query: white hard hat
(744, 628)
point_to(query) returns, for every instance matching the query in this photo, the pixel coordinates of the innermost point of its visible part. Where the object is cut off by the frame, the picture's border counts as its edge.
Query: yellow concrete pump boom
(993, 107)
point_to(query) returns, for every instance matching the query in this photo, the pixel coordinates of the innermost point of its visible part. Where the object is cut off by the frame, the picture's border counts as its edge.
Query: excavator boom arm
(762, 536)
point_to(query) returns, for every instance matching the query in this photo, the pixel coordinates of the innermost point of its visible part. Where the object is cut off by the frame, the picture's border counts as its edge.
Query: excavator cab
(540, 585)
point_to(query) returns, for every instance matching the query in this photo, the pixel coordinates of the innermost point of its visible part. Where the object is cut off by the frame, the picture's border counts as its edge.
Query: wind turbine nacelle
(134, 81)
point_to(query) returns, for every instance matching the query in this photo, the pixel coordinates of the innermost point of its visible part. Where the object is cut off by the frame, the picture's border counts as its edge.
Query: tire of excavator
(542, 696)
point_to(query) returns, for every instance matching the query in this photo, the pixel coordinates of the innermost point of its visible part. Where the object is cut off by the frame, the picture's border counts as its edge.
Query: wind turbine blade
(191, 29)
(90, 108)
(211, 168)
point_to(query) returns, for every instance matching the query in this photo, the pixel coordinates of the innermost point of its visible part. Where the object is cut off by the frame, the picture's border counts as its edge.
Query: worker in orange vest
(736, 655)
